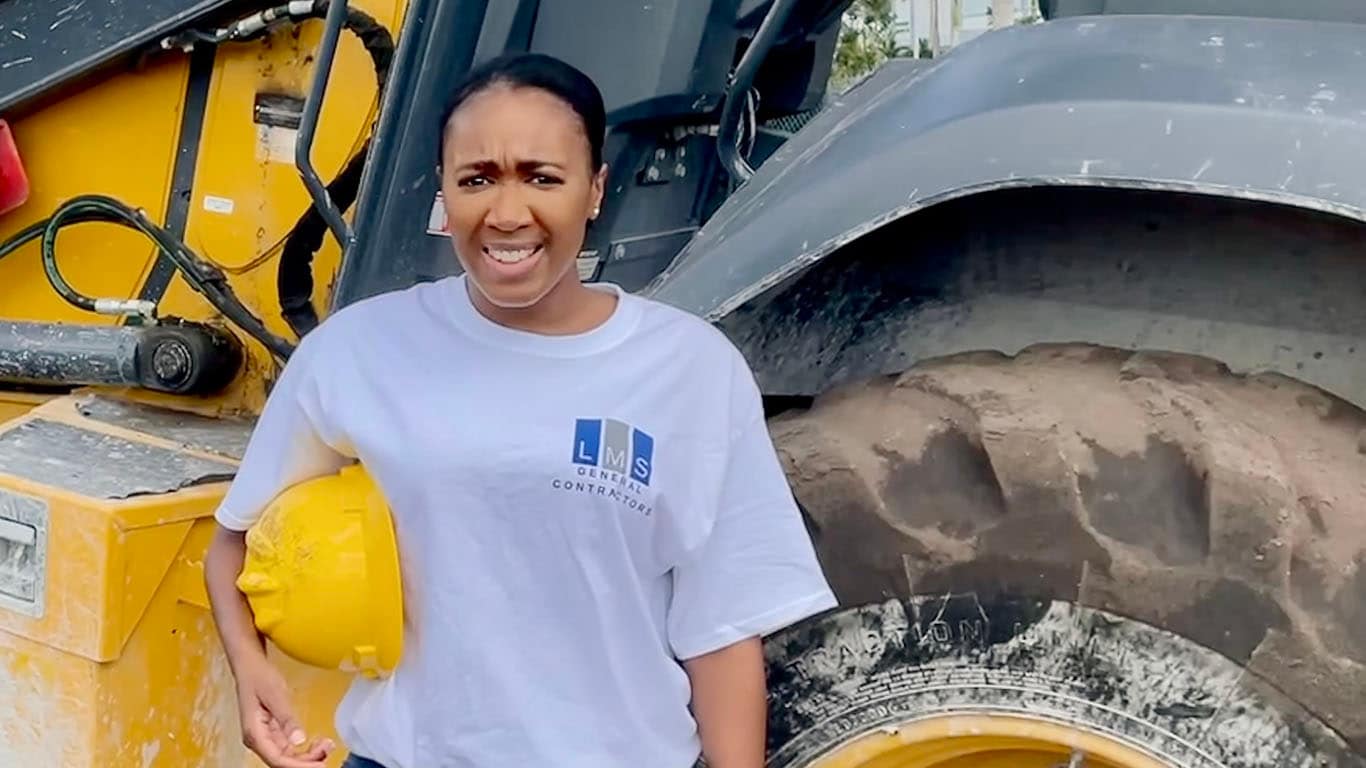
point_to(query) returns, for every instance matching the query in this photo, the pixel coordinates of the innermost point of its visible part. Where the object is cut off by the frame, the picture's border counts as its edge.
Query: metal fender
(1252, 108)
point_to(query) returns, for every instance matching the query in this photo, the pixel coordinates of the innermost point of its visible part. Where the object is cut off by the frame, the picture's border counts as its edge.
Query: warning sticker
(436, 219)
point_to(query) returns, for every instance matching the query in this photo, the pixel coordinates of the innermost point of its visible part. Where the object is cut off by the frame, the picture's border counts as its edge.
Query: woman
(593, 524)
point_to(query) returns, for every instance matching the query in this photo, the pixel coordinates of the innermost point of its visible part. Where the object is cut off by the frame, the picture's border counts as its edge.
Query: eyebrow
(523, 165)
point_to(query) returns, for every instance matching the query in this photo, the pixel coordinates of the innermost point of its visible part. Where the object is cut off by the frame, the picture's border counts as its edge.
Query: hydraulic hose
(295, 279)
(204, 277)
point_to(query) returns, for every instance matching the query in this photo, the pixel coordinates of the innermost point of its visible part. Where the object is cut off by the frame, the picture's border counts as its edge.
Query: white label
(436, 219)
(217, 204)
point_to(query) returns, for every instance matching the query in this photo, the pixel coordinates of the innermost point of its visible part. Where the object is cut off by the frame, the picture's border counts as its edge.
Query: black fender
(1258, 109)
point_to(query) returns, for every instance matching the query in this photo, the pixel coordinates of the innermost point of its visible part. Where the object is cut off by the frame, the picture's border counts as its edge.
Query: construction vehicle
(1063, 334)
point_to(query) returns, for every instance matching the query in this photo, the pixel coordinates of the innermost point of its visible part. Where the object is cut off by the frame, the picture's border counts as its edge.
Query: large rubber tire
(1205, 510)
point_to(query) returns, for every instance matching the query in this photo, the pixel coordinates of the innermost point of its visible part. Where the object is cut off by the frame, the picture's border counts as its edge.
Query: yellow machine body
(121, 137)
(108, 653)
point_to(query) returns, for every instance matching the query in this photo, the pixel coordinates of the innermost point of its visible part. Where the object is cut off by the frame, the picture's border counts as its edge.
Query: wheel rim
(986, 741)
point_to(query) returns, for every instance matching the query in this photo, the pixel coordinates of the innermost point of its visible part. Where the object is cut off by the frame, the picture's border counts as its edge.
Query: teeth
(509, 255)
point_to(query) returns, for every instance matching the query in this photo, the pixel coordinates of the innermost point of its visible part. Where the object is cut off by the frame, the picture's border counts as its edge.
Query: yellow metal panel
(246, 172)
(49, 712)
(121, 137)
(145, 556)
(78, 602)
(117, 139)
(15, 404)
(248, 193)
(168, 700)
(126, 668)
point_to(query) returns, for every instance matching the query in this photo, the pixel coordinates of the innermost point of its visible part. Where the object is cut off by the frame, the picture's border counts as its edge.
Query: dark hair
(534, 70)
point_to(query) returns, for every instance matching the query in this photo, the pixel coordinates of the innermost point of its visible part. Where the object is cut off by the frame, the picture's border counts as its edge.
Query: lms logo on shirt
(614, 446)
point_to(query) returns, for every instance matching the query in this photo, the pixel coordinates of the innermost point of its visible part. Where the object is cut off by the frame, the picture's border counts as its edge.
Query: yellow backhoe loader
(1063, 333)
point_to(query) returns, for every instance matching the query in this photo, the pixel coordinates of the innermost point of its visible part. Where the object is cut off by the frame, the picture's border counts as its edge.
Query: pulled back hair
(534, 70)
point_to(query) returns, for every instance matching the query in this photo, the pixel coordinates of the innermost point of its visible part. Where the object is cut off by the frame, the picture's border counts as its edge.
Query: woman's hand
(269, 727)
(730, 702)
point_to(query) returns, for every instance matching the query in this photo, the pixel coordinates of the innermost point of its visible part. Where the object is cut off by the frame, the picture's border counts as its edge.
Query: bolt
(660, 154)
(172, 362)
(680, 170)
(652, 174)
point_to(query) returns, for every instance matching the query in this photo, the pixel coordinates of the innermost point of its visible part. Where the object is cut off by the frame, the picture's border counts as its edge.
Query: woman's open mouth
(512, 260)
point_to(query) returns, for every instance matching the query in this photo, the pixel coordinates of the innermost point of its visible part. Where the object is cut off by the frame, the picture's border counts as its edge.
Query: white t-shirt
(575, 514)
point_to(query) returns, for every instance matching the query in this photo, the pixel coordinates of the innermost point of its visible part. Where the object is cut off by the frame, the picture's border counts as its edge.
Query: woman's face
(519, 188)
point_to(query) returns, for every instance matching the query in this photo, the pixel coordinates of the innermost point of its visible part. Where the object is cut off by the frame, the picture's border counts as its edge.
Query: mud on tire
(1223, 512)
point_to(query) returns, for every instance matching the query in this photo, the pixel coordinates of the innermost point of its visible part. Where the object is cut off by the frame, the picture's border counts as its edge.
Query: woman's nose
(509, 211)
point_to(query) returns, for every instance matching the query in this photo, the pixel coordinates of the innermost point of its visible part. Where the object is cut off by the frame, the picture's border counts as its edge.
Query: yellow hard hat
(322, 577)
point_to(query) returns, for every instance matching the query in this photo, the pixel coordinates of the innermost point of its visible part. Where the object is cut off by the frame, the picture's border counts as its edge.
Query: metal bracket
(308, 126)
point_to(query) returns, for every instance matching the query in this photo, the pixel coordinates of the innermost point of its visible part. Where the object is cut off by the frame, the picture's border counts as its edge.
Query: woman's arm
(269, 726)
(730, 704)
(231, 614)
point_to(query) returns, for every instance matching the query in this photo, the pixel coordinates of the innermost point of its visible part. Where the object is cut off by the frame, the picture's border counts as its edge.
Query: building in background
(958, 21)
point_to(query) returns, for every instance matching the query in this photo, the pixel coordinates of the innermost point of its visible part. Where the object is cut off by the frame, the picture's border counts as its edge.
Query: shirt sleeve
(756, 571)
(289, 444)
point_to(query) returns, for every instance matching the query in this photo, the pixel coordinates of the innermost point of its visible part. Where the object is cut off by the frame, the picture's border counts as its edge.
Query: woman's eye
(543, 179)
(472, 181)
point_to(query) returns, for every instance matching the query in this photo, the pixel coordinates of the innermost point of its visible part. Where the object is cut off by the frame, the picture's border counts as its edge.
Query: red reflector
(13, 180)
